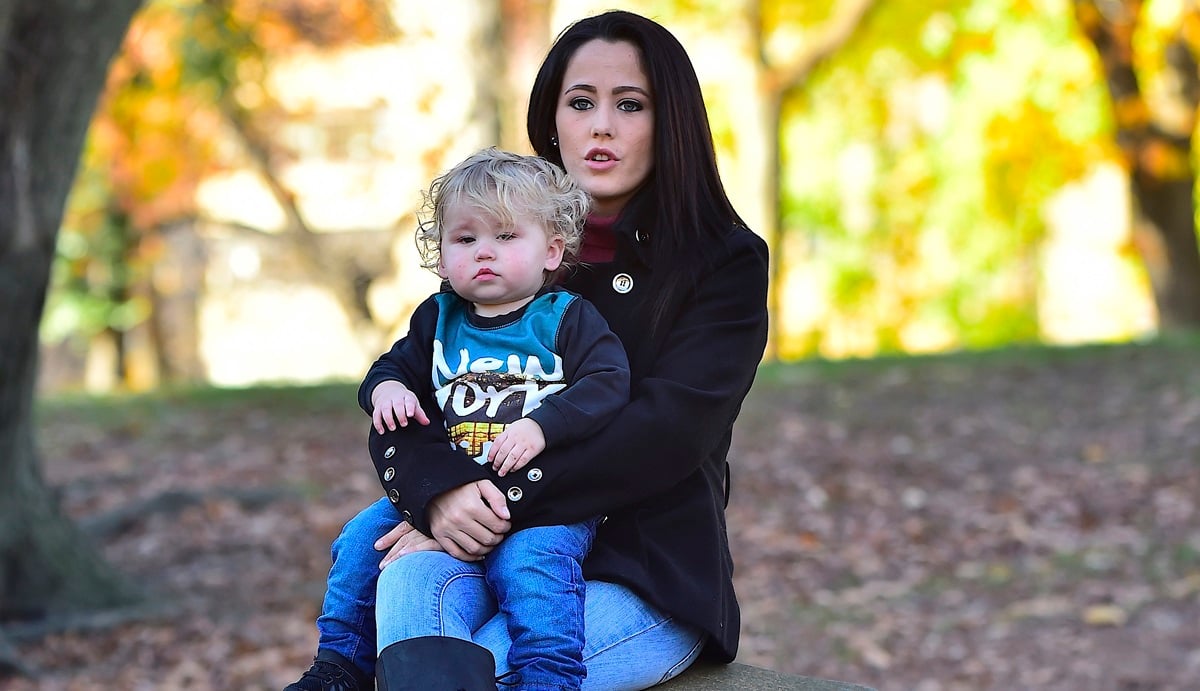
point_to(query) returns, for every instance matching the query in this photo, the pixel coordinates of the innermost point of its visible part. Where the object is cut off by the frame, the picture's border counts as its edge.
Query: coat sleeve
(415, 463)
(409, 361)
(598, 376)
(678, 414)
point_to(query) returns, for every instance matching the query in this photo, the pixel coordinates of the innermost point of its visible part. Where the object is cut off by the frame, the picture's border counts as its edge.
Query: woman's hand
(404, 539)
(470, 520)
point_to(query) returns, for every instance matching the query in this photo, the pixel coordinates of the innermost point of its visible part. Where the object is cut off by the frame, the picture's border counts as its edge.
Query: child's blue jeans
(535, 573)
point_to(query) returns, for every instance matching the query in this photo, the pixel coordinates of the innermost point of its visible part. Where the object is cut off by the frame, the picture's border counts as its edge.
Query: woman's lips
(600, 159)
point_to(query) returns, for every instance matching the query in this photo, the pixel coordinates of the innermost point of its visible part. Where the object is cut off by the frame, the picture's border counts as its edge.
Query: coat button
(394, 496)
(622, 283)
(389, 474)
(407, 516)
(534, 474)
(641, 237)
(391, 451)
(515, 494)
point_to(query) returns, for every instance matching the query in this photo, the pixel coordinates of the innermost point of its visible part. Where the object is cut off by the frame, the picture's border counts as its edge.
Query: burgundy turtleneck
(599, 240)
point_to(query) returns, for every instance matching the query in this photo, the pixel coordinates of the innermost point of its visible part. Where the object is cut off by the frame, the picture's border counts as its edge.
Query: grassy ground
(1016, 519)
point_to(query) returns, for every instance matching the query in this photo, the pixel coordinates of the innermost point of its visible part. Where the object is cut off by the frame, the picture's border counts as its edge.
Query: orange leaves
(1131, 112)
(279, 26)
(156, 133)
(1162, 160)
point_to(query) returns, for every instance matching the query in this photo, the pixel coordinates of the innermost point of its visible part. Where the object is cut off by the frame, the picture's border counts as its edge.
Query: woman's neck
(599, 240)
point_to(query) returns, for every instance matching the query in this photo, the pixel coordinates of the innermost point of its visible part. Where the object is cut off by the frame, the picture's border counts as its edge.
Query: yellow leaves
(1189, 27)
(1094, 453)
(1105, 615)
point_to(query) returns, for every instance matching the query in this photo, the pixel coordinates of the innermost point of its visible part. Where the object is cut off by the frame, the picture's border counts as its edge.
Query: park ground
(1016, 519)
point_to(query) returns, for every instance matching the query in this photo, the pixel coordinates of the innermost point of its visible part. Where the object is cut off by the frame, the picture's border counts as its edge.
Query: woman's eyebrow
(616, 89)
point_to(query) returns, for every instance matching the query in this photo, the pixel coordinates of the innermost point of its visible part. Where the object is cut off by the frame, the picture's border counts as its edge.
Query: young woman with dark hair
(683, 283)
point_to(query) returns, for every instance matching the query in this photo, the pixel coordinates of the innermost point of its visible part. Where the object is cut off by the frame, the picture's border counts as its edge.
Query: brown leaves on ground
(1015, 520)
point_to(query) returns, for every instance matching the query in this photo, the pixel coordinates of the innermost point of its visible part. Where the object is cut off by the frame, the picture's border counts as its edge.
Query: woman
(683, 283)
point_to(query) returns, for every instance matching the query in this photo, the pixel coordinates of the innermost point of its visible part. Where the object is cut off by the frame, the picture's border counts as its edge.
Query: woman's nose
(601, 126)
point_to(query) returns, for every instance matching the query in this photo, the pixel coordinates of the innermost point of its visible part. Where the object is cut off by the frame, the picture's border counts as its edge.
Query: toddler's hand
(394, 404)
(516, 446)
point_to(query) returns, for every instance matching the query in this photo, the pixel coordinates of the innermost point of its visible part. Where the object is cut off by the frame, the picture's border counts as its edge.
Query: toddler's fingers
(510, 462)
(420, 416)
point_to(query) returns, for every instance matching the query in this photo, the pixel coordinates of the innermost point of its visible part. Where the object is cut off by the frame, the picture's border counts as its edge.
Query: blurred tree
(918, 164)
(779, 45)
(780, 75)
(526, 38)
(1154, 87)
(191, 75)
(53, 57)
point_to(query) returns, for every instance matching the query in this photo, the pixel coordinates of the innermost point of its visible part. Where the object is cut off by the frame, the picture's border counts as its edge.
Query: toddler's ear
(554, 253)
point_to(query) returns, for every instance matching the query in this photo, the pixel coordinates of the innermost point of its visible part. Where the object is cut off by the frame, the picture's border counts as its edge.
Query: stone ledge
(704, 676)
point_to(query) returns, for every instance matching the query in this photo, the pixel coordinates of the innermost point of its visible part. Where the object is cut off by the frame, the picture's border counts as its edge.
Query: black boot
(435, 663)
(332, 672)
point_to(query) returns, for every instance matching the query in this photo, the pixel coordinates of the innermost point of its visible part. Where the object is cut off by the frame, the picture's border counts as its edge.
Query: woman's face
(605, 123)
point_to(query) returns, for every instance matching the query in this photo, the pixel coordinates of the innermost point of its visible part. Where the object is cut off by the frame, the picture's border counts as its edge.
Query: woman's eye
(629, 106)
(580, 104)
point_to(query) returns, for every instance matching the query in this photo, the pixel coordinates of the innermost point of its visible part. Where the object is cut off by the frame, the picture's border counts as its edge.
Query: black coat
(658, 471)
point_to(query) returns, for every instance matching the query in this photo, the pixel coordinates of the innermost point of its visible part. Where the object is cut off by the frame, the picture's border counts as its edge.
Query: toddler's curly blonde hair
(510, 186)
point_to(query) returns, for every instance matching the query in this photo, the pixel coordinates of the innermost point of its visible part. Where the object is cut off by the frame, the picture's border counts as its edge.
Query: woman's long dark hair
(683, 201)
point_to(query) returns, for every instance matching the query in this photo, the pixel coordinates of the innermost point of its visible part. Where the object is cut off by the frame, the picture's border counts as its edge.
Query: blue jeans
(535, 575)
(347, 622)
(628, 645)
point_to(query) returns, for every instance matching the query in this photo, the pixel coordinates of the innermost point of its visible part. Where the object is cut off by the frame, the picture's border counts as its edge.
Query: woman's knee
(428, 579)
(418, 572)
(431, 594)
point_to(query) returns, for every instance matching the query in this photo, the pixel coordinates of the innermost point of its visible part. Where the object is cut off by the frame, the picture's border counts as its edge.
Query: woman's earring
(554, 141)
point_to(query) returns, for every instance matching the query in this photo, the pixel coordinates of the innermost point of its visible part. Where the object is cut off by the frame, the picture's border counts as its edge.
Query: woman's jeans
(628, 643)
(537, 568)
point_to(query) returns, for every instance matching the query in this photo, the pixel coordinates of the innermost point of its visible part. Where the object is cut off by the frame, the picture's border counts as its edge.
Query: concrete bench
(738, 677)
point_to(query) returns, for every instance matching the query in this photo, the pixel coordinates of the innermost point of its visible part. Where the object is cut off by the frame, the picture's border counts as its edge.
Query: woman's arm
(679, 412)
(597, 373)
(417, 463)
(408, 361)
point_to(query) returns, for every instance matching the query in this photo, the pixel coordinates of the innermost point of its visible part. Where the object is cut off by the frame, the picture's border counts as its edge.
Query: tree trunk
(1157, 152)
(54, 56)
(772, 82)
(525, 28)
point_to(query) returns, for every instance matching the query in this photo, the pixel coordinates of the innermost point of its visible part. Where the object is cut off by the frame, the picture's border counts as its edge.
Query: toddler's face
(497, 267)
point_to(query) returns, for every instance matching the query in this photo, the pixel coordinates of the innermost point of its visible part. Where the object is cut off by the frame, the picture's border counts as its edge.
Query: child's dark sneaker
(332, 672)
